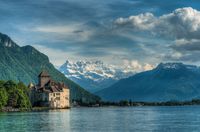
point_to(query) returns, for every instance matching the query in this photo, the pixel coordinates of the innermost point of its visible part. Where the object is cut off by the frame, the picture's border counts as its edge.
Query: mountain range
(25, 63)
(93, 75)
(166, 82)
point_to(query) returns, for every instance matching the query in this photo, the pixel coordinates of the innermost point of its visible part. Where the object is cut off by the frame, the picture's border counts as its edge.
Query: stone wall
(59, 99)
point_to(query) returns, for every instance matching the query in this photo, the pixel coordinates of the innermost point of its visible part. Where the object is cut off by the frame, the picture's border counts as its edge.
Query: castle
(48, 93)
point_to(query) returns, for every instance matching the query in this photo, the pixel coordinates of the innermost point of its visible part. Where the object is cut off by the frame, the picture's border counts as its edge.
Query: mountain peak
(29, 48)
(169, 81)
(6, 41)
(93, 75)
(171, 65)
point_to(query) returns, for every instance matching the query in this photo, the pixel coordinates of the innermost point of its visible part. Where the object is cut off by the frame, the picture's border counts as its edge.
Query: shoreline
(125, 103)
(34, 109)
(105, 104)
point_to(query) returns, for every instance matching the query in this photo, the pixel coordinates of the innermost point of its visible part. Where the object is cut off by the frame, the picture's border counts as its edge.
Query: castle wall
(59, 99)
(65, 98)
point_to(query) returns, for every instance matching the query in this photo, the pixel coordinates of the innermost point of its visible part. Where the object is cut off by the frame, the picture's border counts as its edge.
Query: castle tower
(43, 77)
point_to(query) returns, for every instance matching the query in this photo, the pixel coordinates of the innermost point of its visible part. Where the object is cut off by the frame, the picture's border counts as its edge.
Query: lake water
(121, 119)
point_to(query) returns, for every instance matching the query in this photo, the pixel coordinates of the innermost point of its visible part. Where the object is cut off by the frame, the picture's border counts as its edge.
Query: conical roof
(31, 85)
(44, 74)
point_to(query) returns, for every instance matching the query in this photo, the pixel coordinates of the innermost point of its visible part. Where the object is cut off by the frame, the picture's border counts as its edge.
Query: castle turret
(43, 77)
(31, 85)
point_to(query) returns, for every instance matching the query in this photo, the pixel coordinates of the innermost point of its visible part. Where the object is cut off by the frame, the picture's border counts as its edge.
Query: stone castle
(48, 93)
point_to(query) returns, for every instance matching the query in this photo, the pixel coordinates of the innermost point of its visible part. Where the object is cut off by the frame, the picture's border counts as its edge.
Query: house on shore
(48, 93)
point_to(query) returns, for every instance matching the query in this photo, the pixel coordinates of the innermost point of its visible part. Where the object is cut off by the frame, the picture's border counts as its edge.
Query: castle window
(57, 98)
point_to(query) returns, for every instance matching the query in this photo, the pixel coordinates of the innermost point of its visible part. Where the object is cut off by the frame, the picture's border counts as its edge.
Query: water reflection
(51, 121)
(161, 119)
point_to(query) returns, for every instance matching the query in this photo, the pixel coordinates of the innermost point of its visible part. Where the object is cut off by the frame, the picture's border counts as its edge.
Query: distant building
(48, 93)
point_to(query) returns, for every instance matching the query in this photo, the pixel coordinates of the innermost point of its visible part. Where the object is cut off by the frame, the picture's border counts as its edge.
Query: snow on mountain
(176, 66)
(93, 75)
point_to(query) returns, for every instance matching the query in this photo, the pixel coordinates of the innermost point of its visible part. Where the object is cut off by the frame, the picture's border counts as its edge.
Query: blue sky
(139, 33)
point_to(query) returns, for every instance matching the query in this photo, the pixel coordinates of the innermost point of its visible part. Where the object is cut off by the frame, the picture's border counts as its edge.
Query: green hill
(25, 63)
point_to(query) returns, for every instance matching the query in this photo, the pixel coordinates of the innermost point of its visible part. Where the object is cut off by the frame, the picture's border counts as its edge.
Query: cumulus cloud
(135, 65)
(140, 22)
(147, 67)
(181, 23)
(181, 28)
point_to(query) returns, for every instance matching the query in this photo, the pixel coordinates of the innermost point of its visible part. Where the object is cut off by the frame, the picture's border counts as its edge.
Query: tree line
(15, 95)
(134, 103)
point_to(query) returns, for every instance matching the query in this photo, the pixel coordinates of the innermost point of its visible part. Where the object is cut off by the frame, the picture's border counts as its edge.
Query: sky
(135, 33)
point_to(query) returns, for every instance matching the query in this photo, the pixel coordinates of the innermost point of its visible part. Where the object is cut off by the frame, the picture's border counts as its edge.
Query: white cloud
(55, 29)
(75, 32)
(135, 65)
(56, 56)
(184, 45)
(142, 21)
(185, 50)
(181, 29)
(147, 67)
(181, 23)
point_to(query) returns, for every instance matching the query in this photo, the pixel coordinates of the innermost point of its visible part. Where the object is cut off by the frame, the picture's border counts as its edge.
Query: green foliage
(3, 97)
(14, 95)
(23, 100)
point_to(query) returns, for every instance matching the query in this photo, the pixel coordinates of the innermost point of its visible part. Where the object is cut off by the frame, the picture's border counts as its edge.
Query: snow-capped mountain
(168, 81)
(176, 66)
(93, 75)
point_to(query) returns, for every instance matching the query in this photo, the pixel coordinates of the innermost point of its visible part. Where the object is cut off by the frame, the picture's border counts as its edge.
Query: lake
(121, 119)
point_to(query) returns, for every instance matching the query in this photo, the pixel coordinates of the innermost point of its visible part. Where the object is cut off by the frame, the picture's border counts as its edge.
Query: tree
(17, 95)
(3, 97)
(23, 99)
(10, 85)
